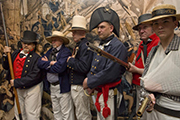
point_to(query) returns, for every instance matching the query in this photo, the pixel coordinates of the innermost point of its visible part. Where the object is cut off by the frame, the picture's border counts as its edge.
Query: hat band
(163, 12)
(78, 28)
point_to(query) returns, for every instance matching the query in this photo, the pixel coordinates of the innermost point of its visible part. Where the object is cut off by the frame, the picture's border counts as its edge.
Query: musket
(143, 106)
(106, 54)
(10, 64)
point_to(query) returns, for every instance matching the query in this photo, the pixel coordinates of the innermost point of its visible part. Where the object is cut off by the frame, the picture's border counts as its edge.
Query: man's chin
(26, 50)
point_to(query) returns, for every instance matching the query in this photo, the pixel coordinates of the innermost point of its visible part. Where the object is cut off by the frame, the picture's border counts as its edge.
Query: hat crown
(144, 17)
(57, 33)
(141, 19)
(164, 9)
(29, 37)
(79, 22)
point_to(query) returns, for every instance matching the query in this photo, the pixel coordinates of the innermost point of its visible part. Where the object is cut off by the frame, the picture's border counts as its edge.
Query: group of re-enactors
(71, 76)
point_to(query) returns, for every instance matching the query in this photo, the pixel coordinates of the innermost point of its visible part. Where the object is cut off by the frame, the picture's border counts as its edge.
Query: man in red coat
(149, 40)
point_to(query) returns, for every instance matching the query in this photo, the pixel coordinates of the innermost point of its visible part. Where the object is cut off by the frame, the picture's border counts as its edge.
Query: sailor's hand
(52, 62)
(90, 91)
(44, 58)
(85, 86)
(7, 49)
(12, 82)
(151, 105)
(69, 58)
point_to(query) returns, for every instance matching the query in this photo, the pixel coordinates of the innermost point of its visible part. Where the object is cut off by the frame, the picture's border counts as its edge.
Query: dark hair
(46, 46)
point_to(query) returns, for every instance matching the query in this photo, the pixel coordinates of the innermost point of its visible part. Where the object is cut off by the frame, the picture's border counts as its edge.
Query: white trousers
(30, 102)
(110, 104)
(62, 104)
(81, 103)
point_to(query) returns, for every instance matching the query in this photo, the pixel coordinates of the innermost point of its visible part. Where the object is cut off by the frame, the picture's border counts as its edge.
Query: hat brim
(65, 40)
(162, 16)
(28, 41)
(73, 29)
(136, 27)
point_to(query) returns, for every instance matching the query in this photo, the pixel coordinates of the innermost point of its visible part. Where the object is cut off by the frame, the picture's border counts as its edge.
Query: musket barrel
(4, 26)
(106, 54)
(143, 106)
(10, 64)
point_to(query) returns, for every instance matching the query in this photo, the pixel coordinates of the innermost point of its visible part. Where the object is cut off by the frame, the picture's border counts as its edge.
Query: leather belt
(167, 111)
(55, 83)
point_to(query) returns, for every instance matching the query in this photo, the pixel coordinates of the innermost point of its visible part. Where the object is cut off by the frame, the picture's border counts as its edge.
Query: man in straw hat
(28, 77)
(54, 64)
(79, 64)
(149, 40)
(105, 74)
(161, 76)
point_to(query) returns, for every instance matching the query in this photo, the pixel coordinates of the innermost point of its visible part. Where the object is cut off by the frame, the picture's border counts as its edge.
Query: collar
(58, 48)
(22, 52)
(107, 40)
(78, 43)
(174, 44)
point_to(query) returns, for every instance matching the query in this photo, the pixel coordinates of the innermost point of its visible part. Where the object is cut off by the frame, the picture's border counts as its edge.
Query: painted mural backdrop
(45, 16)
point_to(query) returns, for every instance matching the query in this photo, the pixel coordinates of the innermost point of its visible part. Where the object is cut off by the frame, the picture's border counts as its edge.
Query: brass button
(25, 71)
(72, 68)
(98, 54)
(67, 65)
(28, 60)
(24, 87)
(91, 73)
(95, 67)
(26, 65)
(94, 74)
(92, 66)
(30, 56)
(97, 60)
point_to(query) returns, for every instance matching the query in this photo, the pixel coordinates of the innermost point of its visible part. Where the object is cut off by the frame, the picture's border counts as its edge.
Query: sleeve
(112, 70)
(44, 65)
(33, 77)
(82, 64)
(61, 65)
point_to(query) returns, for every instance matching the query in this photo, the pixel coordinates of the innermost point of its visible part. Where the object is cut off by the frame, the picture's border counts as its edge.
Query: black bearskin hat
(104, 14)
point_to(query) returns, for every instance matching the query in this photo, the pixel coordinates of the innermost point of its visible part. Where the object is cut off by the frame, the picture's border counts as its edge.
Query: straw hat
(141, 19)
(79, 23)
(162, 11)
(59, 35)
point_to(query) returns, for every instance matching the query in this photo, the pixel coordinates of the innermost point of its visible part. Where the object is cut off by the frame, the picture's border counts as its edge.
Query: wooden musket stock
(106, 54)
(10, 64)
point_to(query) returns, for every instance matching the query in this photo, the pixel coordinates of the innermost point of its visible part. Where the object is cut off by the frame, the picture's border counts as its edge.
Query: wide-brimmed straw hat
(162, 11)
(79, 23)
(59, 35)
(141, 19)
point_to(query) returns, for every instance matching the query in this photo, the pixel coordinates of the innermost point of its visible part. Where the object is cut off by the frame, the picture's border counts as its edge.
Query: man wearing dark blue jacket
(105, 74)
(54, 63)
(28, 77)
(79, 64)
